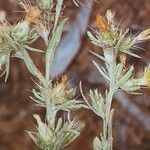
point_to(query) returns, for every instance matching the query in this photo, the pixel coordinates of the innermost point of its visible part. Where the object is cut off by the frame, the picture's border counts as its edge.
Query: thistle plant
(115, 43)
(43, 19)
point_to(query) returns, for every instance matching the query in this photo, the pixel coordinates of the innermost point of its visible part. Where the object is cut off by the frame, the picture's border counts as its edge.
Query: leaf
(101, 71)
(132, 54)
(98, 56)
(52, 45)
(33, 49)
(58, 10)
(145, 35)
(7, 66)
(96, 144)
(93, 38)
(126, 77)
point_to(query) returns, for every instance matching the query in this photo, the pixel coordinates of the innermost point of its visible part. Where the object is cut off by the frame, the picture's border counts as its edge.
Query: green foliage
(113, 41)
(14, 39)
(52, 45)
(43, 20)
(45, 5)
(56, 138)
(57, 96)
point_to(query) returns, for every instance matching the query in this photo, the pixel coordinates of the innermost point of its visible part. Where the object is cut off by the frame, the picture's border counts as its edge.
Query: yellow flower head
(101, 23)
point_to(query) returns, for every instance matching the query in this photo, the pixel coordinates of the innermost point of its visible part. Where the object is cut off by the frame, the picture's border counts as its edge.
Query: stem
(104, 128)
(109, 117)
(51, 113)
(107, 122)
(109, 99)
(49, 59)
(54, 41)
(110, 138)
(111, 70)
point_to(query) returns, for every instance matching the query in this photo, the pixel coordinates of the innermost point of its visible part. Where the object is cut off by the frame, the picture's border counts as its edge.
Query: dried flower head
(101, 23)
(111, 37)
(61, 88)
(64, 79)
(57, 95)
(32, 13)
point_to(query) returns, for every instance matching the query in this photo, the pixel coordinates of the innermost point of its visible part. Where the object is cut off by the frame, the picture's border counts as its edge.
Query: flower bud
(45, 4)
(20, 31)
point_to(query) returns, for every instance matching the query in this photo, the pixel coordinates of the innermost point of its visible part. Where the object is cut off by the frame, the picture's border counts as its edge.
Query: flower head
(56, 94)
(13, 40)
(32, 13)
(114, 38)
(101, 23)
(49, 137)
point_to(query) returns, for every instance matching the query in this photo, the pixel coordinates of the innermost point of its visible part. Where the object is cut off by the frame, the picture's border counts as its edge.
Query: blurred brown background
(132, 113)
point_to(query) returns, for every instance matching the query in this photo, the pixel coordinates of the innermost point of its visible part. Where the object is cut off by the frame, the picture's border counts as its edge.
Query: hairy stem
(107, 129)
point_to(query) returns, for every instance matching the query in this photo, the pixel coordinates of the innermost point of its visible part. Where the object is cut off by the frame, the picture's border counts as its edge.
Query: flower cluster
(99, 105)
(42, 20)
(32, 13)
(57, 96)
(14, 39)
(115, 43)
(124, 77)
(35, 14)
(56, 138)
(111, 38)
